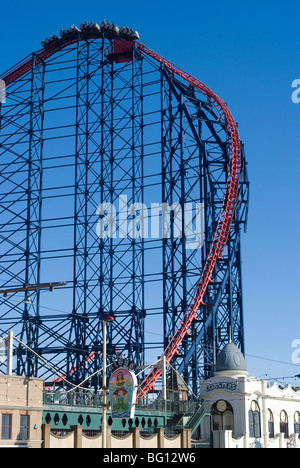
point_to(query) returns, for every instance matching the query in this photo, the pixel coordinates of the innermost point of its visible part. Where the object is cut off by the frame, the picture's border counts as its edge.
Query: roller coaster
(93, 115)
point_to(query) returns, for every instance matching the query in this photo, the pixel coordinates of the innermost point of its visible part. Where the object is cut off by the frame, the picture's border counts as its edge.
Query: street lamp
(105, 320)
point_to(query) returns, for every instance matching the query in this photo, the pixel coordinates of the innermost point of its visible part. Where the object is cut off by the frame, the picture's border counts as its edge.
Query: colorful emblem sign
(122, 390)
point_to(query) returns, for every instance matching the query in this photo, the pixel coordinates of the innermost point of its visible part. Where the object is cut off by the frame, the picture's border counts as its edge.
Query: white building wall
(241, 391)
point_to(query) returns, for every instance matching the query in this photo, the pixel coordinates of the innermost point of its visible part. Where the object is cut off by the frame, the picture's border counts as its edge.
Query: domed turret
(231, 360)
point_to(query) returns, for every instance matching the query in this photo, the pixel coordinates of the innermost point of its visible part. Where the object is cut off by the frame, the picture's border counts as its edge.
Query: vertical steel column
(77, 336)
(86, 199)
(106, 177)
(181, 189)
(137, 154)
(31, 316)
(168, 181)
(105, 279)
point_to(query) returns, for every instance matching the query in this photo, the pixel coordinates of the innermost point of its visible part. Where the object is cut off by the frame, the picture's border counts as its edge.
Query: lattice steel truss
(87, 127)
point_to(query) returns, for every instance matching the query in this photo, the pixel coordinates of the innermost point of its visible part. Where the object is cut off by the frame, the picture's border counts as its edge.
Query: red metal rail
(230, 197)
(225, 219)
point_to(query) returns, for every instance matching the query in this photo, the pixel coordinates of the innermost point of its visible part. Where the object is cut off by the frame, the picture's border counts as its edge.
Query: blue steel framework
(81, 129)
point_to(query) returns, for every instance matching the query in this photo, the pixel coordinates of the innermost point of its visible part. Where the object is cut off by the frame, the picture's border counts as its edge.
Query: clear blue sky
(248, 53)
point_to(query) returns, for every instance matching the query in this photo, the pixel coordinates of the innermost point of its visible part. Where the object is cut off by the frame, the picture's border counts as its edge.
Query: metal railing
(91, 398)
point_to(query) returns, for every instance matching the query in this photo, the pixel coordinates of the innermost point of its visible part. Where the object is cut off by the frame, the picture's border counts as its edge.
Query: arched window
(254, 420)
(222, 416)
(271, 424)
(284, 424)
(297, 423)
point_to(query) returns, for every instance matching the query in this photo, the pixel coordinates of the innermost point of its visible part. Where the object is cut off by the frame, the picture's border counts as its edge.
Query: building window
(254, 420)
(6, 426)
(271, 424)
(297, 423)
(222, 416)
(284, 424)
(24, 427)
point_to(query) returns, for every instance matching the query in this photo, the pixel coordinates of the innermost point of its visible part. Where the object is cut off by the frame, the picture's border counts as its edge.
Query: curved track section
(225, 220)
(231, 192)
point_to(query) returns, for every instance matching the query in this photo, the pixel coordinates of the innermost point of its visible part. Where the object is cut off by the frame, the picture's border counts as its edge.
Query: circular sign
(221, 406)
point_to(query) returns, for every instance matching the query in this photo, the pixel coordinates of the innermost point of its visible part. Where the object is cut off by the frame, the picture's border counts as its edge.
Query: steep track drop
(232, 186)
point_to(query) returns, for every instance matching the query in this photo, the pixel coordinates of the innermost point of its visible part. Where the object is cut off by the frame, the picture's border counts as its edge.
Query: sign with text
(221, 386)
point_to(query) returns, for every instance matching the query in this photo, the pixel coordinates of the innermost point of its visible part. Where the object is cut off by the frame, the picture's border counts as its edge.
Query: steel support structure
(110, 160)
(194, 169)
(108, 271)
(21, 202)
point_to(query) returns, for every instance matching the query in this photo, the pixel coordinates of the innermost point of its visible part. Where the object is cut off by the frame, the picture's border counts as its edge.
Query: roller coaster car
(111, 27)
(129, 33)
(67, 32)
(50, 41)
(90, 27)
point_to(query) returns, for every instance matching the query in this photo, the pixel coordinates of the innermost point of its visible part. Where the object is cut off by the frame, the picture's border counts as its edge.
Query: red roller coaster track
(230, 198)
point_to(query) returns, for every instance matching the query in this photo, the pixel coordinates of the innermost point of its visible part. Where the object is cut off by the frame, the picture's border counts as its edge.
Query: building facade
(21, 409)
(247, 412)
